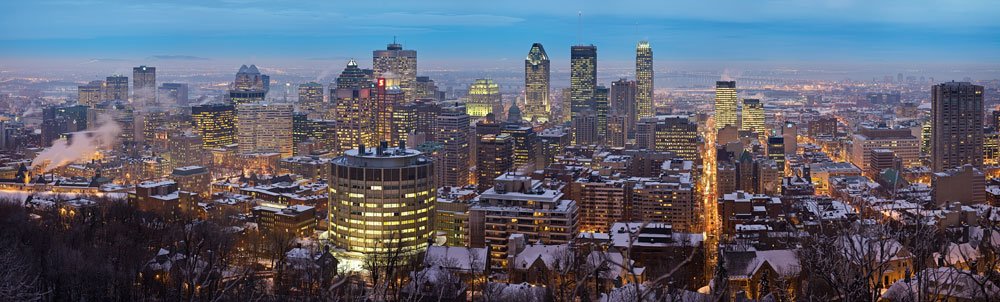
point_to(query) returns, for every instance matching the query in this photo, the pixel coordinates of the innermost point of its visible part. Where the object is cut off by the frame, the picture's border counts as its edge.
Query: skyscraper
(91, 94)
(144, 86)
(173, 94)
(582, 78)
(623, 103)
(381, 200)
(452, 130)
(215, 123)
(725, 104)
(644, 80)
(603, 110)
(310, 93)
(536, 84)
(264, 128)
(250, 86)
(494, 156)
(116, 88)
(753, 116)
(352, 76)
(398, 61)
(355, 118)
(484, 98)
(388, 95)
(956, 125)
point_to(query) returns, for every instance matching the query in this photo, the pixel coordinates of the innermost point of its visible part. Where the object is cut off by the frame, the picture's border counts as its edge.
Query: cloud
(177, 58)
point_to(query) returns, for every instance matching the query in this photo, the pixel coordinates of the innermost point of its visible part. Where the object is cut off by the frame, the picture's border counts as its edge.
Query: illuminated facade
(956, 125)
(525, 143)
(355, 120)
(753, 116)
(644, 80)
(91, 94)
(603, 110)
(518, 204)
(452, 130)
(310, 93)
(536, 84)
(381, 200)
(388, 96)
(672, 133)
(398, 62)
(144, 85)
(215, 123)
(582, 78)
(725, 104)
(264, 128)
(484, 98)
(494, 156)
(116, 88)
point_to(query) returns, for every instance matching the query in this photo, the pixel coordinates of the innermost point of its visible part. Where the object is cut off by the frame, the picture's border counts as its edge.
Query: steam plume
(81, 145)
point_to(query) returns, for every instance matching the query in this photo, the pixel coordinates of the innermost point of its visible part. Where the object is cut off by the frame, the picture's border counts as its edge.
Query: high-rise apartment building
(398, 62)
(725, 104)
(536, 84)
(956, 125)
(144, 86)
(644, 80)
(215, 123)
(381, 200)
(582, 78)
(264, 128)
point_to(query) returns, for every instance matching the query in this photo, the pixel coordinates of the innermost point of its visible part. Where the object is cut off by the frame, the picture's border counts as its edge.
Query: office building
(194, 179)
(388, 96)
(582, 78)
(215, 123)
(144, 86)
(965, 185)
(355, 118)
(310, 93)
(452, 131)
(603, 109)
(116, 88)
(484, 98)
(957, 125)
(585, 128)
(91, 94)
(525, 144)
(381, 200)
(536, 85)
(623, 99)
(250, 86)
(397, 62)
(753, 116)
(352, 77)
(670, 133)
(173, 94)
(644, 80)
(725, 104)
(298, 220)
(264, 128)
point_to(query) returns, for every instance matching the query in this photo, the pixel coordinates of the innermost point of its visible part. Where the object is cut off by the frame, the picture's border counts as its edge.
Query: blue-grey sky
(474, 30)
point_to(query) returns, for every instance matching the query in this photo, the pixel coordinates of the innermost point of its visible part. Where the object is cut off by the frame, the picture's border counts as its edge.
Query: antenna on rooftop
(579, 27)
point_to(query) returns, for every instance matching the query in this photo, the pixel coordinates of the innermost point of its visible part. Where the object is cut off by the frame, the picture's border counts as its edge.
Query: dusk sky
(767, 31)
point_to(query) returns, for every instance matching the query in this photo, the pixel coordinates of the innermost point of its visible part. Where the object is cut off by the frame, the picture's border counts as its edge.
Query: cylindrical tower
(381, 200)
